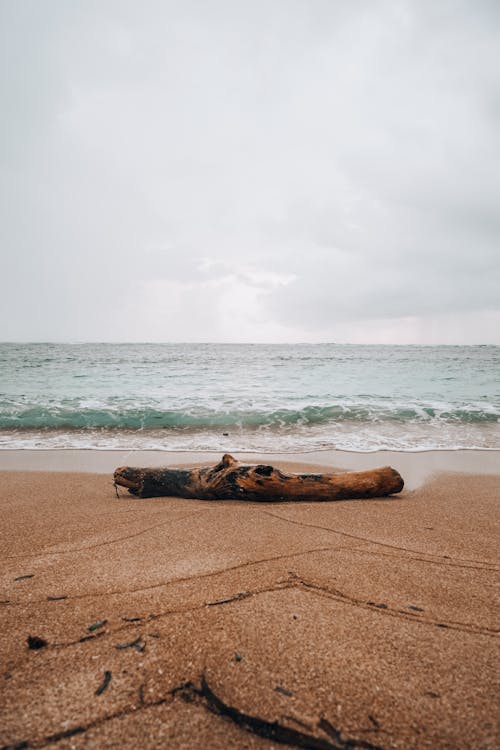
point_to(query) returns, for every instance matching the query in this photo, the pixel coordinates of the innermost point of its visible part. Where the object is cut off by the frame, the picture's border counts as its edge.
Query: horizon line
(81, 342)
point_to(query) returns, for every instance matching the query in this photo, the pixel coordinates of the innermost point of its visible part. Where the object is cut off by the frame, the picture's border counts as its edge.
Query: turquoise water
(249, 397)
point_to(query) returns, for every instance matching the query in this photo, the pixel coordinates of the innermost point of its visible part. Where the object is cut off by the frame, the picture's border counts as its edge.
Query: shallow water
(249, 397)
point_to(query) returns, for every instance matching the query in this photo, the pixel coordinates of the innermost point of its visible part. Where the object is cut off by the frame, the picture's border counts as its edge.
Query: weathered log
(229, 480)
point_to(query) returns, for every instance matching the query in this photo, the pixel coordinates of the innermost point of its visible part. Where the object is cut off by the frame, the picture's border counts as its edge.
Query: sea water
(249, 396)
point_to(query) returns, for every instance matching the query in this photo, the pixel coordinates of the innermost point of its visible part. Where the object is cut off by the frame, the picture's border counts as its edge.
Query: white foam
(365, 437)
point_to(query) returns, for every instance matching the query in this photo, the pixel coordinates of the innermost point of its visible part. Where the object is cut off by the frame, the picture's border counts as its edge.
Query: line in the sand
(295, 581)
(337, 595)
(454, 561)
(188, 579)
(378, 553)
(108, 541)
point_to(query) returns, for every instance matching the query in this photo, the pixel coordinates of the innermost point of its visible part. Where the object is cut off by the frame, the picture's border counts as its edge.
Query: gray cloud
(287, 170)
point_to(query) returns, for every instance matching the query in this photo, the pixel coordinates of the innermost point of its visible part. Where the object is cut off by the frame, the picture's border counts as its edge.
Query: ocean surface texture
(249, 397)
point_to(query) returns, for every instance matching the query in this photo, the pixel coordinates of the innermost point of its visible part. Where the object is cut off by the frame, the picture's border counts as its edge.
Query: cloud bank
(288, 170)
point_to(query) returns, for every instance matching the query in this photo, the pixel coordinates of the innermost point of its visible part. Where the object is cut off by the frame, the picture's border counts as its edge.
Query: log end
(395, 481)
(132, 479)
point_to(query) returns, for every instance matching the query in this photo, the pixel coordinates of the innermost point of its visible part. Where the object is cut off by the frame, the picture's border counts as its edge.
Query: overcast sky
(247, 170)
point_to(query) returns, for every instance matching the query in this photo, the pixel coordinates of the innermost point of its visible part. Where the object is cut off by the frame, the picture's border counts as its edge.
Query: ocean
(256, 397)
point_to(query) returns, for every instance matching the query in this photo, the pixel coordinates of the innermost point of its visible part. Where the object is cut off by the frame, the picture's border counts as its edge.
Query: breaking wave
(133, 418)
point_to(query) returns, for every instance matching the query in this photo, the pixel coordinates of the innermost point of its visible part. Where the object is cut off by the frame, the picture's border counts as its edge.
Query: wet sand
(181, 623)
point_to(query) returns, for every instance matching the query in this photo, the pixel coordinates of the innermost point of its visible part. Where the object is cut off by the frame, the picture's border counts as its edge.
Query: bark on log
(229, 480)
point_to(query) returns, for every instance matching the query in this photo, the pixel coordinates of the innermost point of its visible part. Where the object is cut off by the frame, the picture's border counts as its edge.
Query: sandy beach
(181, 623)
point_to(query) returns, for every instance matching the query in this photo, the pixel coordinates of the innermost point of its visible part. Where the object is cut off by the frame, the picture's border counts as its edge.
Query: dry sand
(351, 622)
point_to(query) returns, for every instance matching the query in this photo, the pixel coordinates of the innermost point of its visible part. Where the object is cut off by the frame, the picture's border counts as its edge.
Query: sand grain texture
(355, 623)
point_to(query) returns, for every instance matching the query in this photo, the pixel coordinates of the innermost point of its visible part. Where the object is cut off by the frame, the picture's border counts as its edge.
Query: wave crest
(61, 417)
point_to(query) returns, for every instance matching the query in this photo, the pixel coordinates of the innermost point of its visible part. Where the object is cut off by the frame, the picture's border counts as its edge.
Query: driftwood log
(229, 480)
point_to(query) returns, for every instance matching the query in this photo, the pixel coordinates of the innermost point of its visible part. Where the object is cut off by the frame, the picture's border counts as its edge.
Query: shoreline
(259, 452)
(416, 467)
